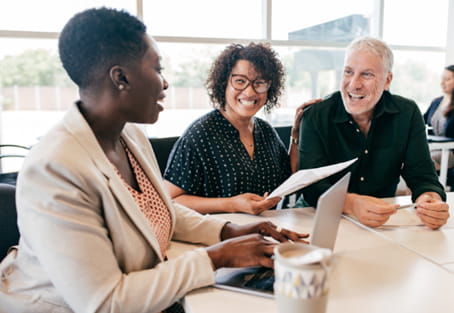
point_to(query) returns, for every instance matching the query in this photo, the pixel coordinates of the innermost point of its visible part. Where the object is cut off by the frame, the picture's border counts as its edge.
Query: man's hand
(370, 211)
(432, 211)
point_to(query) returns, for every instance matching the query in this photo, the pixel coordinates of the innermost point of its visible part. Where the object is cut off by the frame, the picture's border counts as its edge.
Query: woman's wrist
(226, 231)
(216, 256)
(294, 136)
(293, 140)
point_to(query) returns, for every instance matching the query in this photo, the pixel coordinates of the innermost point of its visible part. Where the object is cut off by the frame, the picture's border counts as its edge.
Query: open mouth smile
(247, 102)
(355, 97)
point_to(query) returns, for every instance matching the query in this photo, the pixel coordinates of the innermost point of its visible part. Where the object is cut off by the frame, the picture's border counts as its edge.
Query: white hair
(374, 45)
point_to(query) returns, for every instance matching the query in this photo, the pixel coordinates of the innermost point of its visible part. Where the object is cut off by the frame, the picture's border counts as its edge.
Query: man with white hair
(385, 132)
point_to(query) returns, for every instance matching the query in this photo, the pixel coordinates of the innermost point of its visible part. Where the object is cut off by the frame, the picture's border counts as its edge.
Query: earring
(121, 87)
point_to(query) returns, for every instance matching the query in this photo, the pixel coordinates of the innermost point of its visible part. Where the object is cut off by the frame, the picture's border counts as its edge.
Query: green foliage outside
(37, 67)
(417, 81)
(192, 74)
(41, 67)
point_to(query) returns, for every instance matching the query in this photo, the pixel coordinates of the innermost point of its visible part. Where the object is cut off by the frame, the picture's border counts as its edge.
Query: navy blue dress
(449, 127)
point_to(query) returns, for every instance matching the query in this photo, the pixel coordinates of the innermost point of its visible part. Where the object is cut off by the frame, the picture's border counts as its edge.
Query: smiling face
(246, 103)
(147, 86)
(447, 82)
(363, 82)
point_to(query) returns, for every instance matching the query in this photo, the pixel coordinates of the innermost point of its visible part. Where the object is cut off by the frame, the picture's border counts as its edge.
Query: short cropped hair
(94, 40)
(376, 46)
(265, 62)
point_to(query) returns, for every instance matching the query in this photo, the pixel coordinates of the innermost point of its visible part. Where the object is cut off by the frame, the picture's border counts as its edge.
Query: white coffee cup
(301, 277)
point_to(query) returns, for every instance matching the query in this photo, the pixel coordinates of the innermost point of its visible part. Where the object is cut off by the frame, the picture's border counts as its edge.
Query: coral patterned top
(150, 202)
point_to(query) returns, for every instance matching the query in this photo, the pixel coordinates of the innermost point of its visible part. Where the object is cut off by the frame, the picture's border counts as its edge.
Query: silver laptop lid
(328, 214)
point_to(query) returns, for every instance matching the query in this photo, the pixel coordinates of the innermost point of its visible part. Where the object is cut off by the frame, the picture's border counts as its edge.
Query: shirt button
(361, 179)
(366, 152)
(357, 130)
(350, 122)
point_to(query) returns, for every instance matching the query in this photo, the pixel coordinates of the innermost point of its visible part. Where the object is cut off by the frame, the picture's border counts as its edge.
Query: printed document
(303, 178)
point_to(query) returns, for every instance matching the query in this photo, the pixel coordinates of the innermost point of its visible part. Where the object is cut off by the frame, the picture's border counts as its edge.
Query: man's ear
(389, 79)
(118, 77)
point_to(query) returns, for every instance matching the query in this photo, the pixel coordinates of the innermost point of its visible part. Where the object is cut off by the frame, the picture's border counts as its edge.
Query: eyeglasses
(241, 82)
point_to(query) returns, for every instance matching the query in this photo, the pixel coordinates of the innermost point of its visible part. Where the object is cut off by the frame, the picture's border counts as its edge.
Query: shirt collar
(229, 128)
(385, 105)
(226, 125)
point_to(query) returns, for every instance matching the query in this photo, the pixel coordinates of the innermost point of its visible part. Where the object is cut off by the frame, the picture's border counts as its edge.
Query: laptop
(259, 281)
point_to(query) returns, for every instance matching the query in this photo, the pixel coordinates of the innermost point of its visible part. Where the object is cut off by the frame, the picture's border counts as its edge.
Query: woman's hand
(299, 114)
(249, 250)
(245, 245)
(231, 230)
(295, 134)
(252, 203)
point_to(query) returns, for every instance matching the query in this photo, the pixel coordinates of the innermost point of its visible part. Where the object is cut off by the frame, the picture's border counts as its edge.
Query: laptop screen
(329, 211)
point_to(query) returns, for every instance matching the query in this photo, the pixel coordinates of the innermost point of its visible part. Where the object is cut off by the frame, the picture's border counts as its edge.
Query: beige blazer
(85, 246)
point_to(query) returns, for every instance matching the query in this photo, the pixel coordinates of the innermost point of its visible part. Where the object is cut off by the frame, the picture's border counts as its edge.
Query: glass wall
(417, 75)
(203, 18)
(415, 23)
(50, 15)
(310, 40)
(322, 20)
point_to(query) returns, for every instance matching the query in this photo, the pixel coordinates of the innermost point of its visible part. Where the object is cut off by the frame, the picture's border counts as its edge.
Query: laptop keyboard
(261, 280)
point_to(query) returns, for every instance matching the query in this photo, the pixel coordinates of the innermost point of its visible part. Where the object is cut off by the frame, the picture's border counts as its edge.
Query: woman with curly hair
(229, 159)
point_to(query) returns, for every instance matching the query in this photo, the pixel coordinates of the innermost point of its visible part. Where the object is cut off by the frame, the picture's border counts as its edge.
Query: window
(186, 98)
(309, 38)
(34, 89)
(417, 75)
(300, 20)
(50, 15)
(204, 18)
(417, 23)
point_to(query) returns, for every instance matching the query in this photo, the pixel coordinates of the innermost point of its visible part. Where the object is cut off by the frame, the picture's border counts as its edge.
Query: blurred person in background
(439, 117)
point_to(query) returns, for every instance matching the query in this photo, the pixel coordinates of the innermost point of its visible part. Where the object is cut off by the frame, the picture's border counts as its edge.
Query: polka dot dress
(150, 202)
(210, 160)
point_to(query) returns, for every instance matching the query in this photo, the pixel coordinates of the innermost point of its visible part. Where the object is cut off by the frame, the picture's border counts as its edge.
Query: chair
(9, 232)
(162, 148)
(11, 151)
(284, 133)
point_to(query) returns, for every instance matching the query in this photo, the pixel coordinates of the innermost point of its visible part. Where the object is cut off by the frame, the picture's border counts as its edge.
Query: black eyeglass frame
(249, 82)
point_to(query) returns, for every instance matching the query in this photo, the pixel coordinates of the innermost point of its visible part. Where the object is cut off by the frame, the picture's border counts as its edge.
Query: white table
(445, 147)
(436, 246)
(375, 270)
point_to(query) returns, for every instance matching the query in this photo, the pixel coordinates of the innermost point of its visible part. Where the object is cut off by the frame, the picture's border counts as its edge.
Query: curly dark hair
(265, 62)
(94, 40)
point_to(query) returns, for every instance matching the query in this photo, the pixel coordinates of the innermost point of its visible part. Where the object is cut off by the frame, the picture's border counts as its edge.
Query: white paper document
(404, 217)
(303, 178)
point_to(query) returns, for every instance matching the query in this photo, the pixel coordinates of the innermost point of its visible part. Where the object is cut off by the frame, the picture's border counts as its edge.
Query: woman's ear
(118, 78)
